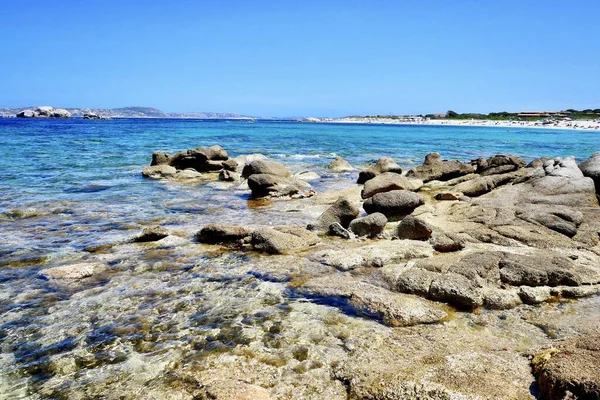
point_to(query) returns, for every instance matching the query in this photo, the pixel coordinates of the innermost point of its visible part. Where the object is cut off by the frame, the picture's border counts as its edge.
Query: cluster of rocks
(45, 112)
(91, 115)
(189, 163)
(269, 178)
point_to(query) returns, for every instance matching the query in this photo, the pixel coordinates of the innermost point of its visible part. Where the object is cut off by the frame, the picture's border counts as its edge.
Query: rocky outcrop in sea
(44, 112)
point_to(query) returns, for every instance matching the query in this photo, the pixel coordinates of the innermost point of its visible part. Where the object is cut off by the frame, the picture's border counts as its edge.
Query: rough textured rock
(572, 371)
(434, 168)
(384, 164)
(393, 204)
(591, 169)
(392, 309)
(44, 112)
(336, 229)
(161, 171)
(263, 185)
(340, 165)
(413, 228)
(500, 164)
(187, 174)
(457, 290)
(264, 167)
(371, 226)
(160, 158)
(445, 244)
(485, 184)
(343, 211)
(229, 176)
(220, 233)
(387, 182)
(72, 272)
(151, 234)
(230, 165)
(282, 239)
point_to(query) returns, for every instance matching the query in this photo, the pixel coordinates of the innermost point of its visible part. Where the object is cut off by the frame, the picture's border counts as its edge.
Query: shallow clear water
(163, 310)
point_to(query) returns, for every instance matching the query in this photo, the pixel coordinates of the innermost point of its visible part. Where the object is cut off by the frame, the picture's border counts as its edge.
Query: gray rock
(534, 295)
(393, 204)
(387, 182)
(72, 272)
(434, 168)
(282, 239)
(160, 158)
(60, 113)
(266, 168)
(336, 229)
(591, 169)
(220, 233)
(456, 290)
(383, 165)
(230, 165)
(500, 164)
(187, 174)
(229, 176)
(501, 299)
(340, 165)
(162, 171)
(484, 184)
(413, 228)
(371, 226)
(343, 211)
(538, 270)
(445, 244)
(571, 371)
(151, 234)
(263, 185)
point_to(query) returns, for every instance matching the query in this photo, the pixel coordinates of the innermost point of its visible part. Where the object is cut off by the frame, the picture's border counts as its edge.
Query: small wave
(305, 156)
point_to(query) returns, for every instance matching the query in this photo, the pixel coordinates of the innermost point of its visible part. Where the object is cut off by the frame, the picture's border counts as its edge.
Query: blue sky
(309, 58)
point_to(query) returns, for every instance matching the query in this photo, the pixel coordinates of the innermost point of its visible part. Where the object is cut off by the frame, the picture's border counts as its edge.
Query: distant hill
(132, 112)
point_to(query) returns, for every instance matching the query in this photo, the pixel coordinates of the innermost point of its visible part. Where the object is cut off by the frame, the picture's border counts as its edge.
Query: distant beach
(576, 124)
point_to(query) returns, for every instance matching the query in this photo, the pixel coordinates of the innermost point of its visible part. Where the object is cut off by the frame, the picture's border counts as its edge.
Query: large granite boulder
(434, 168)
(394, 204)
(591, 169)
(60, 113)
(340, 165)
(384, 164)
(371, 226)
(343, 211)
(499, 164)
(266, 168)
(282, 239)
(202, 159)
(387, 182)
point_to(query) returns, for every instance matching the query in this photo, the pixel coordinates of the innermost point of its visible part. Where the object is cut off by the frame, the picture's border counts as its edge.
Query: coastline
(570, 125)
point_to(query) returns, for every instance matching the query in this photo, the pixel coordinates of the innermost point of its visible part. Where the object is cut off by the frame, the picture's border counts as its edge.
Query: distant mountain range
(132, 112)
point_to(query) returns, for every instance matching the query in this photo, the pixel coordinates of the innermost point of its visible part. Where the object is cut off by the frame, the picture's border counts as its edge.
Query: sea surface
(72, 189)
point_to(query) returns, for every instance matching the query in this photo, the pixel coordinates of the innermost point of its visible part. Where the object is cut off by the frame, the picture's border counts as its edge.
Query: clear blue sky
(310, 58)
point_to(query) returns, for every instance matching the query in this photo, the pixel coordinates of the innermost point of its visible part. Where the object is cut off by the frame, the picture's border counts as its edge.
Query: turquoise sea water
(76, 184)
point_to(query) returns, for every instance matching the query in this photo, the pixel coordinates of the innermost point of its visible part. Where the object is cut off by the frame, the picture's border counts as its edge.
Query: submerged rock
(151, 234)
(72, 272)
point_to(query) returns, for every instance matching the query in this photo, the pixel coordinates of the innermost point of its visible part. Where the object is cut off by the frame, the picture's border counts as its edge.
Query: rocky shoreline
(452, 280)
(492, 234)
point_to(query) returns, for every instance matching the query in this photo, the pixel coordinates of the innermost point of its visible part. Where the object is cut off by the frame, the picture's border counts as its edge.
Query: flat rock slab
(72, 272)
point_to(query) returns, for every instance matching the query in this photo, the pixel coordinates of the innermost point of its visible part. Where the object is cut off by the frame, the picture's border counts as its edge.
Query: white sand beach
(566, 124)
